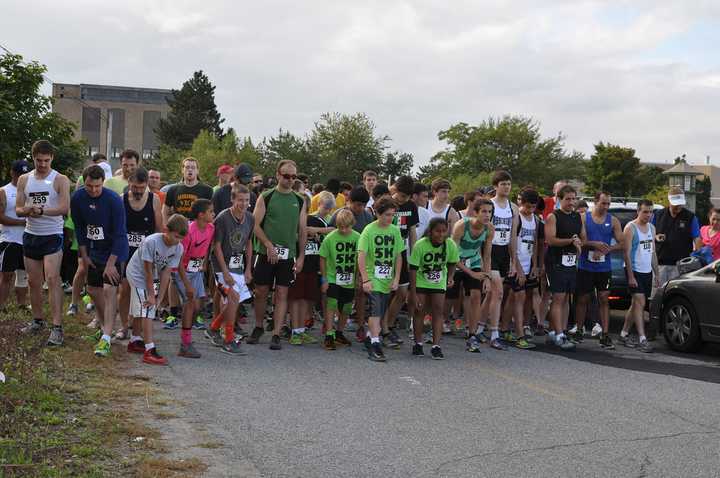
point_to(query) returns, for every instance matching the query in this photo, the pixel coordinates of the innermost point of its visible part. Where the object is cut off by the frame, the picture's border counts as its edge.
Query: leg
(581, 310)
(55, 293)
(7, 280)
(418, 318)
(260, 303)
(401, 294)
(78, 283)
(472, 313)
(559, 299)
(124, 303)
(35, 281)
(110, 298)
(281, 306)
(604, 310)
(98, 296)
(496, 298)
(519, 312)
(436, 305)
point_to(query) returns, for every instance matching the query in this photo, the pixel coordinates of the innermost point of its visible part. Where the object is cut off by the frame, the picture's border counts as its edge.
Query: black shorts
(500, 259)
(461, 279)
(37, 247)
(562, 279)
(528, 285)
(426, 291)
(404, 270)
(342, 296)
(644, 284)
(266, 274)
(11, 257)
(588, 281)
(378, 303)
(95, 276)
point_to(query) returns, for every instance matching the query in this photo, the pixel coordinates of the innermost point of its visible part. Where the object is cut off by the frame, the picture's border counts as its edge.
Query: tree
(703, 204)
(192, 109)
(512, 143)
(25, 117)
(287, 146)
(615, 169)
(396, 164)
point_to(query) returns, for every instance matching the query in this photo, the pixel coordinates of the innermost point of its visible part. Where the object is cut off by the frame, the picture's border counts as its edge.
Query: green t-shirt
(117, 184)
(340, 254)
(431, 262)
(69, 224)
(280, 224)
(381, 247)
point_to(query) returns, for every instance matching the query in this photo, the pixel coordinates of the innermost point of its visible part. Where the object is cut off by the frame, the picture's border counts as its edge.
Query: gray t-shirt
(152, 249)
(361, 220)
(233, 236)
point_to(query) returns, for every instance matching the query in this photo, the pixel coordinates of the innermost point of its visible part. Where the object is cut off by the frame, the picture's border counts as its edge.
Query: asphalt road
(304, 411)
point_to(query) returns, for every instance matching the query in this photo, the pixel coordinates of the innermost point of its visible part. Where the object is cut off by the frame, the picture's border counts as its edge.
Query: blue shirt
(100, 225)
(602, 232)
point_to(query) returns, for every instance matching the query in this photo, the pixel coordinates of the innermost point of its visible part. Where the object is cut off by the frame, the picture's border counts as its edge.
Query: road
(304, 411)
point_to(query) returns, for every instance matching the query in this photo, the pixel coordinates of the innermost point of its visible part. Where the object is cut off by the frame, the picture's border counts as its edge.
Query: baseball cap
(676, 196)
(244, 173)
(20, 166)
(224, 169)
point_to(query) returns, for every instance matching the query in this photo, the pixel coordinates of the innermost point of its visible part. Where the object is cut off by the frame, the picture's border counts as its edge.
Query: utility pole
(108, 148)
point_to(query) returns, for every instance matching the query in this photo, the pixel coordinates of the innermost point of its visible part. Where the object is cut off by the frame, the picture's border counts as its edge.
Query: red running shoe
(137, 347)
(360, 335)
(153, 358)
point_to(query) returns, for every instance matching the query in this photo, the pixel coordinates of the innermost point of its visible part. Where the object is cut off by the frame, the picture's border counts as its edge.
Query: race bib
(344, 278)
(569, 260)
(195, 264)
(282, 252)
(95, 233)
(503, 236)
(468, 262)
(647, 246)
(383, 271)
(528, 247)
(134, 240)
(235, 262)
(39, 198)
(596, 257)
(433, 277)
(312, 249)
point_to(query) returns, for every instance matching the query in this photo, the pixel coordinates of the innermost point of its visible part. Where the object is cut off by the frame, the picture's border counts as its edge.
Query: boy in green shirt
(434, 257)
(379, 263)
(338, 255)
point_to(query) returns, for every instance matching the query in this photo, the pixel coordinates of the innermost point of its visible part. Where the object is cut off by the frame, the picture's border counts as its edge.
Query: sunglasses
(258, 181)
(289, 177)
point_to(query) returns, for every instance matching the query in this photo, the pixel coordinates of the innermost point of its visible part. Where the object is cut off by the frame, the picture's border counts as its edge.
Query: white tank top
(11, 233)
(40, 192)
(643, 246)
(502, 220)
(442, 214)
(526, 242)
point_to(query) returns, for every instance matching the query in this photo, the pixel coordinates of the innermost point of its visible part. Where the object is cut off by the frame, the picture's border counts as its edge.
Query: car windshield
(623, 215)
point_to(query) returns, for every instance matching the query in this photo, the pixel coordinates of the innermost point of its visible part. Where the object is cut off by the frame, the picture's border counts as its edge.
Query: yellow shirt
(339, 203)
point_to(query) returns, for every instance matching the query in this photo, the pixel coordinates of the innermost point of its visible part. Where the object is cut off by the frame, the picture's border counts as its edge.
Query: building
(713, 172)
(113, 118)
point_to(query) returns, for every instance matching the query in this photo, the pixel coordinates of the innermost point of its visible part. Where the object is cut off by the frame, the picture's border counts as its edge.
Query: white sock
(623, 334)
(559, 337)
(642, 338)
(296, 331)
(419, 343)
(106, 337)
(374, 340)
(480, 329)
(551, 334)
(436, 346)
(494, 334)
(135, 338)
(149, 346)
(301, 330)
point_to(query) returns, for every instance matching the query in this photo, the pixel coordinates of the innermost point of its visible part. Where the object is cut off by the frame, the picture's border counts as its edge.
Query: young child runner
(232, 262)
(189, 278)
(434, 257)
(157, 255)
(380, 249)
(338, 255)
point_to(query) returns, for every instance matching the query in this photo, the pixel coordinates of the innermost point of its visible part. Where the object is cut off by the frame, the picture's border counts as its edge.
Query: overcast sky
(643, 74)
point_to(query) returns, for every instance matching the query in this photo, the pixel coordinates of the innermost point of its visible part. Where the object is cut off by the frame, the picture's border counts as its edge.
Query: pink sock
(186, 336)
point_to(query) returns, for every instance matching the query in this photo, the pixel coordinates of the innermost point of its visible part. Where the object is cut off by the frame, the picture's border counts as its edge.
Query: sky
(641, 74)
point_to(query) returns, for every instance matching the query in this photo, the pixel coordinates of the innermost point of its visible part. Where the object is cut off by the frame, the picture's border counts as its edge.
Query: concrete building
(113, 118)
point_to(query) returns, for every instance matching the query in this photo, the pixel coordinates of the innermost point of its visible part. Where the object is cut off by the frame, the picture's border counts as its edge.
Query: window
(149, 153)
(688, 183)
(92, 150)
(116, 153)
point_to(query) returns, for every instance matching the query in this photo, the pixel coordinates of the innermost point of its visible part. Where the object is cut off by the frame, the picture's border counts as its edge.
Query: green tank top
(470, 245)
(282, 215)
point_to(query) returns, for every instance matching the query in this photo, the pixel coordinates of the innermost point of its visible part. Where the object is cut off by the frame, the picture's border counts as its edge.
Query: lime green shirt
(340, 254)
(69, 224)
(431, 262)
(117, 184)
(382, 246)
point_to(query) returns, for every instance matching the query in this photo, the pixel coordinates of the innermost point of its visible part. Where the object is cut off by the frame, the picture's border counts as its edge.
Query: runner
(155, 184)
(11, 235)
(440, 204)
(99, 219)
(338, 255)
(224, 175)
(595, 269)
(222, 198)
(642, 272)
(432, 267)
(420, 198)
(232, 263)
(280, 222)
(564, 234)
(380, 248)
(129, 162)
(180, 197)
(370, 180)
(473, 236)
(47, 195)
(157, 255)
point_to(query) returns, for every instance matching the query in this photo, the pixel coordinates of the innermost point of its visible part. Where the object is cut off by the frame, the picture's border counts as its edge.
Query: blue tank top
(591, 260)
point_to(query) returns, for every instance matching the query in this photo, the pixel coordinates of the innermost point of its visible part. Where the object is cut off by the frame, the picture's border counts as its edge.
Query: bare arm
(259, 215)
(362, 266)
(157, 211)
(5, 220)
(167, 211)
(164, 281)
(514, 263)
(412, 237)
(453, 218)
(487, 250)
(62, 186)
(20, 209)
(551, 233)
(457, 234)
(618, 235)
(627, 245)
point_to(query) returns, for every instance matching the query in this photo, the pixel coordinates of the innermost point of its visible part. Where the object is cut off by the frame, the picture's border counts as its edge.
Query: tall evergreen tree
(192, 109)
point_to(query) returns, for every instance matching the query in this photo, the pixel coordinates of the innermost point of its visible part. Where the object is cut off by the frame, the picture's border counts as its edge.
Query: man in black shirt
(181, 196)
(222, 198)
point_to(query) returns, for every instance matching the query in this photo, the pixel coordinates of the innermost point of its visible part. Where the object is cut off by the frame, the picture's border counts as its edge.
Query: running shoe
(67, 287)
(295, 339)
(33, 327)
(199, 323)
(578, 337)
(360, 335)
(233, 348)
(171, 323)
(524, 344)
(627, 341)
(308, 339)
(340, 339)
(446, 328)
(329, 342)
(565, 344)
(215, 336)
(56, 336)
(285, 332)
(95, 336)
(497, 344)
(418, 350)
(606, 342)
(188, 351)
(509, 337)
(392, 339)
(89, 307)
(436, 353)
(121, 334)
(275, 343)
(239, 332)
(573, 330)
(367, 343)
(72, 310)
(482, 338)
(137, 347)
(645, 346)
(152, 357)
(94, 324)
(255, 335)
(376, 353)
(102, 349)
(596, 330)
(527, 332)
(472, 345)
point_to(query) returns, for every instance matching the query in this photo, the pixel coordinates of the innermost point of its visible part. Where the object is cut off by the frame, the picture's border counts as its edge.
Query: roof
(682, 168)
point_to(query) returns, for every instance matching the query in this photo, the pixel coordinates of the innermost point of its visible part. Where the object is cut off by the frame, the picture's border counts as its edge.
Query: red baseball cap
(225, 169)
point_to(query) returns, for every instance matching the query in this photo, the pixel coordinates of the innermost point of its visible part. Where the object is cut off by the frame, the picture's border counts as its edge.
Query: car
(686, 309)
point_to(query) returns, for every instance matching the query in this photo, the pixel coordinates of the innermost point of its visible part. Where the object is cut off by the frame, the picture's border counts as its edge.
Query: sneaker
(606, 342)
(239, 332)
(188, 351)
(152, 357)
(255, 335)
(137, 347)
(199, 323)
(121, 334)
(94, 324)
(351, 326)
(628, 341)
(56, 336)
(392, 339)
(67, 287)
(565, 345)
(418, 350)
(540, 331)
(102, 349)
(329, 342)
(95, 336)
(446, 328)
(497, 344)
(473, 345)
(295, 339)
(215, 336)
(482, 338)
(645, 346)
(376, 353)
(596, 330)
(233, 348)
(527, 332)
(340, 339)
(308, 339)
(367, 343)
(573, 331)
(436, 353)
(578, 337)
(524, 344)
(509, 337)
(33, 327)
(171, 323)
(89, 307)
(275, 343)
(285, 332)
(72, 310)
(360, 335)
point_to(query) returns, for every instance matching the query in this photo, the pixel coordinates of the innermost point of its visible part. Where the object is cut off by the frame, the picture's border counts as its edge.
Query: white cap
(676, 199)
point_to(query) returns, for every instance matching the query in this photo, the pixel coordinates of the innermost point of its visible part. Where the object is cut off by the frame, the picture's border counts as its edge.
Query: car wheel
(680, 325)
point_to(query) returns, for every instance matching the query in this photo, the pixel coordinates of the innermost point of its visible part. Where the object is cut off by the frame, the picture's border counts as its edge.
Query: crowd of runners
(364, 257)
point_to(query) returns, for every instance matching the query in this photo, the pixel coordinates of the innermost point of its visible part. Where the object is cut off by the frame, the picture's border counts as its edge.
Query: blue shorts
(196, 280)
(37, 247)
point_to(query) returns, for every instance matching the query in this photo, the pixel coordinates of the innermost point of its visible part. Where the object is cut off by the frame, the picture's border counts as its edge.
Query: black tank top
(567, 225)
(142, 221)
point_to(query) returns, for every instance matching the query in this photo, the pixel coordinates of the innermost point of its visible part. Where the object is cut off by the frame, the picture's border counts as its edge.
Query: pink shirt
(197, 242)
(713, 242)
